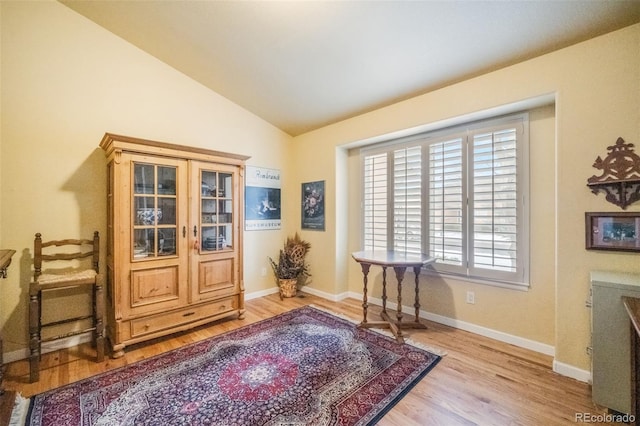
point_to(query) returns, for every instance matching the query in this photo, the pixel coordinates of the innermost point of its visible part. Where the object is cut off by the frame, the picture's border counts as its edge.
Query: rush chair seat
(74, 254)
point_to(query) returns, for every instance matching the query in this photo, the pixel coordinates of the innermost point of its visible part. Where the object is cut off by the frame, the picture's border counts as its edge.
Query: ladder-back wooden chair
(75, 275)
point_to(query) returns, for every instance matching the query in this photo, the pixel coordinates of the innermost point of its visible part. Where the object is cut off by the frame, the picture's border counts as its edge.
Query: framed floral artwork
(313, 205)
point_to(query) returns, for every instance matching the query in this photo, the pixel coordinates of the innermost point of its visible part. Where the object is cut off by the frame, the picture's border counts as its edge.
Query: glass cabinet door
(154, 213)
(216, 211)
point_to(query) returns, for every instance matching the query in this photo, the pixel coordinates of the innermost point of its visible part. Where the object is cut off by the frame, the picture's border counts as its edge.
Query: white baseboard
(67, 342)
(558, 367)
(261, 293)
(306, 289)
(571, 371)
(324, 295)
(15, 355)
(474, 328)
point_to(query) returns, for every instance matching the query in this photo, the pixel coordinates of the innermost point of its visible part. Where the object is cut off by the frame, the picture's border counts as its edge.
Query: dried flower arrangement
(291, 270)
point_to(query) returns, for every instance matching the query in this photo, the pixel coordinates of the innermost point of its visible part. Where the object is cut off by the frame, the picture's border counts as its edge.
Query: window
(459, 195)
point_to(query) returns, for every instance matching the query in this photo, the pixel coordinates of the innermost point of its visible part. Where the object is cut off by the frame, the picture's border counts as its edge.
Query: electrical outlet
(471, 297)
(263, 272)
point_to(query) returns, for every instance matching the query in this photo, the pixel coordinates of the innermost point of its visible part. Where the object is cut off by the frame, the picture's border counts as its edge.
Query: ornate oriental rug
(304, 367)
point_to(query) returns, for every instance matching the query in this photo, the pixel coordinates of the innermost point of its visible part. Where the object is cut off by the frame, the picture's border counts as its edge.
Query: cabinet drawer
(152, 324)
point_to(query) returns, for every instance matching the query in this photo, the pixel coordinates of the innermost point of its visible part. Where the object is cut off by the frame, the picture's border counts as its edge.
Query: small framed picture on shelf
(618, 231)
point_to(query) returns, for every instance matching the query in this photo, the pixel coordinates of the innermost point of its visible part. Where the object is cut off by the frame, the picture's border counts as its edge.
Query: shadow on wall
(63, 304)
(88, 183)
(16, 329)
(435, 295)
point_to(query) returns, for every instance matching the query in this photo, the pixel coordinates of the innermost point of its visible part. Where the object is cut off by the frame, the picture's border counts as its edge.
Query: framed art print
(313, 205)
(613, 231)
(262, 199)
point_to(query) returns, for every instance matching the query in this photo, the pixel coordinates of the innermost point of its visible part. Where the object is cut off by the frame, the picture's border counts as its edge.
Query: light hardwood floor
(479, 382)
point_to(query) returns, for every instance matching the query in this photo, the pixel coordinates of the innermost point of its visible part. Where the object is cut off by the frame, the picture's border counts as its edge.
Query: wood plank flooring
(479, 382)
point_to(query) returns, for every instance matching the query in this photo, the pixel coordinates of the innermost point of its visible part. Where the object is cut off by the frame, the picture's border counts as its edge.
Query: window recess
(458, 194)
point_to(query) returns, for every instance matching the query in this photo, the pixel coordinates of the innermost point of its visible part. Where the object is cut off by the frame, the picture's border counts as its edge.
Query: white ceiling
(301, 65)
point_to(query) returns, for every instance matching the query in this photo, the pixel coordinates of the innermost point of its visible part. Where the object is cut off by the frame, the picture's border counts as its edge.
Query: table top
(5, 258)
(392, 258)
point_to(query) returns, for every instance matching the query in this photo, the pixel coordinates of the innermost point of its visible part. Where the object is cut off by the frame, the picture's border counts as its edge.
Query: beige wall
(596, 90)
(67, 81)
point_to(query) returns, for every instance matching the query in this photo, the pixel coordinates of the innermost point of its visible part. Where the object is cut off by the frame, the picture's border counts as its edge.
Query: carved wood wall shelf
(620, 178)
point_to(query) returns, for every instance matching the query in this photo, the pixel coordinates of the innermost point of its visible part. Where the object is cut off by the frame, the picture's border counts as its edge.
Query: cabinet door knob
(195, 230)
(184, 231)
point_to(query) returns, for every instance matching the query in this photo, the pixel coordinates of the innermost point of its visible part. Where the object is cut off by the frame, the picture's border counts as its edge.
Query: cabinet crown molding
(112, 143)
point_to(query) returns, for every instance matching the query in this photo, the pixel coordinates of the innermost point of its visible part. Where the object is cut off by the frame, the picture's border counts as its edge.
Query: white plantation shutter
(407, 200)
(446, 202)
(458, 195)
(494, 201)
(375, 202)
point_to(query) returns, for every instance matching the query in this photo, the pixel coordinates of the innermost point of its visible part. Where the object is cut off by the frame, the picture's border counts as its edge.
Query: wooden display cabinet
(174, 238)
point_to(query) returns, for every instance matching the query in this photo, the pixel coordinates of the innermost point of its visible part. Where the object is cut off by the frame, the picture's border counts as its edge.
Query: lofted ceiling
(301, 65)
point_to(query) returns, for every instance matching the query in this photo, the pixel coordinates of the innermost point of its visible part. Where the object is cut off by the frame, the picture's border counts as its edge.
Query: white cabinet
(611, 339)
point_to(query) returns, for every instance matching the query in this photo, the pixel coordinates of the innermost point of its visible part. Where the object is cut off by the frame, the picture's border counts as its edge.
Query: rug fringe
(384, 332)
(20, 410)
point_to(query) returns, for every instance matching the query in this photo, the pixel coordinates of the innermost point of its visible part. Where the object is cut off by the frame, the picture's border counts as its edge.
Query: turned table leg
(416, 270)
(365, 271)
(399, 276)
(384, 289)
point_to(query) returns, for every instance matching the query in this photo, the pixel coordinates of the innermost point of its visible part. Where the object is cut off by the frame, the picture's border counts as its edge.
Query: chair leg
(98, 314)
(34, 335)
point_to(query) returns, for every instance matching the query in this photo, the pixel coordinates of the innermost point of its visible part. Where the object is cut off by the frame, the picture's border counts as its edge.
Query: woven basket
(288, 287)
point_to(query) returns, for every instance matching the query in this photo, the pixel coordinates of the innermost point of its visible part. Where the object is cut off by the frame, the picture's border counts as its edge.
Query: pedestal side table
(399, 261)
